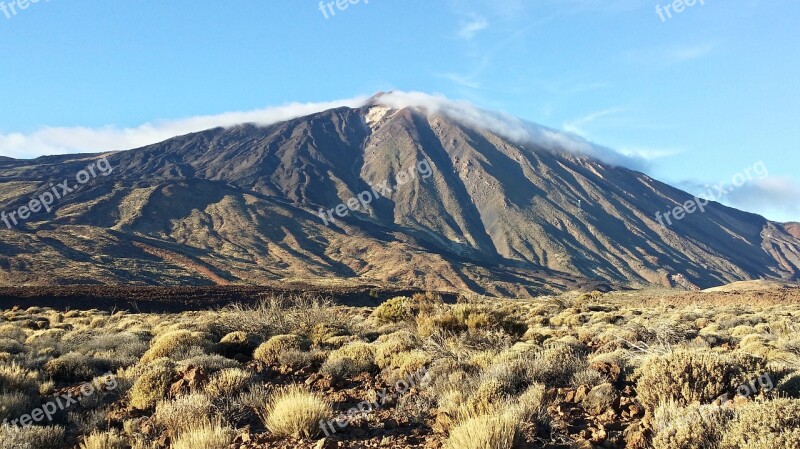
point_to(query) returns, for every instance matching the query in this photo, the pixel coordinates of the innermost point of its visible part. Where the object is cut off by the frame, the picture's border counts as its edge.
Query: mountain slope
(243, 205)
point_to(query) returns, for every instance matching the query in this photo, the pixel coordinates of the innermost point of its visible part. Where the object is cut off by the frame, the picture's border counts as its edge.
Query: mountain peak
(378, 99)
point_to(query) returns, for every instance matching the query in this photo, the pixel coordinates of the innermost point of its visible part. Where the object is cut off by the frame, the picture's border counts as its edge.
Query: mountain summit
(386, 193)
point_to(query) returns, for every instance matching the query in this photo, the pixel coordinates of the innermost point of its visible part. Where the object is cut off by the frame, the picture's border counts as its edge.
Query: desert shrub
(282, 315)
(13, 332)
(50, 437)
(496, 431)
(468, 317)
(268, 352)
(553, 365)
(152, 385)
(689, 375)
(183, 413)
(244, 408)
(208, 435)
(123, 345)
(14, 405)
(11, 346)
(167, 344)
(388, 345)
(697, 426)
(405, 363)
(104, 440)
(537, 335)
(490, 395)
(228, 382)
(236, 343)
(350, 360)
(790, 385)
(532, 407)
(764, 425)
(395, 310)
(47, 337)
(327, 333)
(301, 359)
(444, 322)
(74, 366)
(295, 412)
(15, 378)
(587, 376)
(209, 362)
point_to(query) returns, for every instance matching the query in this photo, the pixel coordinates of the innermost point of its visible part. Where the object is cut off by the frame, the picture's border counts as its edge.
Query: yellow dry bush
(495, 431)
(152, 385)
(537, 335)
(268, 352)
(482, 359)
(104, 440)
(296, 412)
(228, 382)
(690, 375)
(445, 322)
(207, 435)
(183, 413)
(532, 406)
(13, 332)
(409, 361)
(388, 345)
(350, 360)
(395, 310)
(15, 378)
(764, 425)
(328, 333)
(238, 342)
(171, 342)
(695, 426)
(50, 437)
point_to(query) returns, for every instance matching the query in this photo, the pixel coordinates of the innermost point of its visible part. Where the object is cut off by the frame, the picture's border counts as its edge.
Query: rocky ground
(616, 370)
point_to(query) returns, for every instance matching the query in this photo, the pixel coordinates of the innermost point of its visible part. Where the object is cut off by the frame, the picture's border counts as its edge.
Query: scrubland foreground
(622, 370)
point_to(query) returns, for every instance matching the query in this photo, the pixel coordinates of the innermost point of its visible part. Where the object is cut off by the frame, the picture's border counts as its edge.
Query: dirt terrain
(660, 369)
(177, 299)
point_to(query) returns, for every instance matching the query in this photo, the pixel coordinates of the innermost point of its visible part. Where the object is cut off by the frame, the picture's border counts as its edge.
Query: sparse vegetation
(476, 374)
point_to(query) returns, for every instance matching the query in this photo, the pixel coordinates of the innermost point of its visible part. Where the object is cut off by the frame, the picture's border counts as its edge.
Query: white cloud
(52, 140)
(64, 140)
(510, 127)
(774, 197)
(576, 126)
(649, 153)
(469, 28)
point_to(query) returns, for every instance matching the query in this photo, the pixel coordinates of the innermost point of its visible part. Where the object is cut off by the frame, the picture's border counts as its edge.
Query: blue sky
(703, 95)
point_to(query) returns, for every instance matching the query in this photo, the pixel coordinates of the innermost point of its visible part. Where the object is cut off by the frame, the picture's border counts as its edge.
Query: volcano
(456, 205)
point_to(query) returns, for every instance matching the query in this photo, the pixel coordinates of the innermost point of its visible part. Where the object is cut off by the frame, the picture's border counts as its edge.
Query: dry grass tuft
(294, 411)
(268, 352)
(183, 413)
(206, 435)
(496, 431)
(105, 440)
